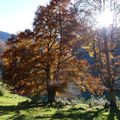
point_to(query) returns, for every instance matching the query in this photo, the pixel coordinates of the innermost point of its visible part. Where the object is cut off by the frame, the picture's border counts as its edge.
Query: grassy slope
(10, 111)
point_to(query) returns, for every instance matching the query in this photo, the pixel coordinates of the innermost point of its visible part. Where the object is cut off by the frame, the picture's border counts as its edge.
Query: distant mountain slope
(4, 35)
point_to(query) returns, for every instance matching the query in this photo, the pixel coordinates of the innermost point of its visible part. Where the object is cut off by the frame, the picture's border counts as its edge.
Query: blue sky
(17, 15)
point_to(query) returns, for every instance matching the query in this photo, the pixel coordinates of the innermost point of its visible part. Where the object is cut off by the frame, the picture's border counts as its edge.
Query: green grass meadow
(9, 110)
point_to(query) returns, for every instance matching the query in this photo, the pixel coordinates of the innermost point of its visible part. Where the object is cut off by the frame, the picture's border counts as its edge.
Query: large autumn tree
(18, 67)
(61, 33)
(46, 59)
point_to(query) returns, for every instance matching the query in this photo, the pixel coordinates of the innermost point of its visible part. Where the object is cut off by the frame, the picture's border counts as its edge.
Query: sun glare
(106, 18)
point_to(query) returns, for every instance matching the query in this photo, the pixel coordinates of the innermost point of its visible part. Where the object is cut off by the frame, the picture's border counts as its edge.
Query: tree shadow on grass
(18, 117)
(13, 108)
(75, 114)
(89, 115)
(72, 113)
(114, 112)
(7, 109)
(76, 109)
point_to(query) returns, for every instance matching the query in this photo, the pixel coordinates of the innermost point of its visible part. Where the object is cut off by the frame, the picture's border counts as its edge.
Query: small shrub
(80, 101)
(1, 93)
(107, 105)
(59, 104)
(97, 101)
(24, 103)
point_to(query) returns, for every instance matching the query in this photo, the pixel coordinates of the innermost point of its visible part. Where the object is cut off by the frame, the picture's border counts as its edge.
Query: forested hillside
(4, 36)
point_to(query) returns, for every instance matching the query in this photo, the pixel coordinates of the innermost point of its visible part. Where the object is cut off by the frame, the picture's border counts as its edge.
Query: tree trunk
(51, 91)
(112, 99)
(109, 73)
(48, 81)
(51, 95)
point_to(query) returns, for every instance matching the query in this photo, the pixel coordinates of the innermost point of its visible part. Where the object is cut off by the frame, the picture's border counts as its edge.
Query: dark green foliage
(107, 105)
(3, 89)
(1, 93)
(24, 103)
